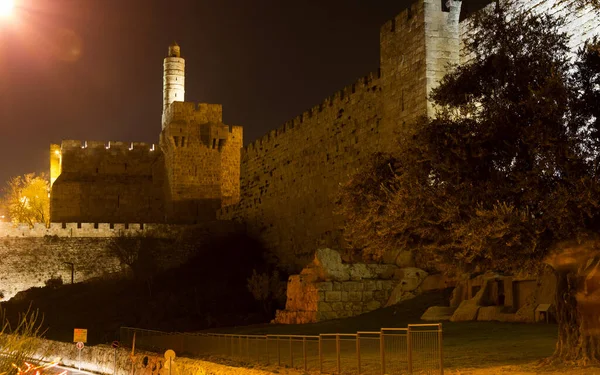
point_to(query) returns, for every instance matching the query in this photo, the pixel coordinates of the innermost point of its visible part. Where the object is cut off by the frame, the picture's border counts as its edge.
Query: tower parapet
(173, 79)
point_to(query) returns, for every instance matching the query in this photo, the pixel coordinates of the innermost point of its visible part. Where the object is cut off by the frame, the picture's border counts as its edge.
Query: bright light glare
(6, 7)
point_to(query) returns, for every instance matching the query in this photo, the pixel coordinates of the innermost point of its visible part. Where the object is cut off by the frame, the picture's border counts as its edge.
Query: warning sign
(80, 335)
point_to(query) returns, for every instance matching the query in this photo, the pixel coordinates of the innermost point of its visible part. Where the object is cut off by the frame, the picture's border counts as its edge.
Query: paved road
(70, 371)
(57, 370)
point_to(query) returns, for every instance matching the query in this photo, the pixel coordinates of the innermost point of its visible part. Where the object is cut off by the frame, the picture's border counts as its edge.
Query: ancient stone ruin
(330, 289)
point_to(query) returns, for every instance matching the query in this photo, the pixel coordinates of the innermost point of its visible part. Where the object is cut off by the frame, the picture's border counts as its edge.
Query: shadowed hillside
(210, 290)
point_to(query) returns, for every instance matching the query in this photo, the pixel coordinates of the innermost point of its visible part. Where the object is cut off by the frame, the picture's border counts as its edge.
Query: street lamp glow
(6, 7)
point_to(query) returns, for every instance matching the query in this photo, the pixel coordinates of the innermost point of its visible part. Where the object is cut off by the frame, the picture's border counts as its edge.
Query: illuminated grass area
(466, 345)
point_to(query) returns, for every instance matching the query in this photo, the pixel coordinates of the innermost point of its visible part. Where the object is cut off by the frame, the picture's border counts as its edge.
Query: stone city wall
(30, 262)
(106, 182)
(31, 256)
(99, 230)
(291, 176)
(581, 23)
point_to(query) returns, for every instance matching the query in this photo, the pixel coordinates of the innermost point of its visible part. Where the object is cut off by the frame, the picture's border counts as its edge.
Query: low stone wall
(29, 258)
(86, 230)
(100, 359)
(310, 302)
(329, 289)
(492, 297)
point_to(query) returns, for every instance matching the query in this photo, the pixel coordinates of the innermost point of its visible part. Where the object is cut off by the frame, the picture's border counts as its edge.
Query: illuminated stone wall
(290, 177)
(202, 161)
(108, 182)
(581, 23)
(30, 262)
(194, 172)
(31, 256)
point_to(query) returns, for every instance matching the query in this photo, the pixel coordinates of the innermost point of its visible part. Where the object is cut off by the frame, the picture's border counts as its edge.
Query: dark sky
(92, 69)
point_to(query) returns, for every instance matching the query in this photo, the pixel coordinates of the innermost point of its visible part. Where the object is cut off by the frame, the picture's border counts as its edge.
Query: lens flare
(6, 7)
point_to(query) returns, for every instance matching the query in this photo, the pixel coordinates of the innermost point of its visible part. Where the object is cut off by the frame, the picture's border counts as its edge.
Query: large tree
(26, 199)
(506, 177)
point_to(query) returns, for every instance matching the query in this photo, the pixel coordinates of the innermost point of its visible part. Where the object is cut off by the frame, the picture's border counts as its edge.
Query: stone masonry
(303, 162)
(194, 171)
(283, 186)
(330, 289)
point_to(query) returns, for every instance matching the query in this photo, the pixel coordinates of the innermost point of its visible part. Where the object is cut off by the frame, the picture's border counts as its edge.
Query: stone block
(467, 311)
(344, 296)
(352, 286)
(325, 286)
(360, 271)
(355, 296)
(321, 295)
(331, 296)
(367, 296)
(438, 313)
(337, 286)
(410, 278)
(337, 306)
(324, 306)
(434, 282)
(379, 295)
(370, 285)
(373, 305)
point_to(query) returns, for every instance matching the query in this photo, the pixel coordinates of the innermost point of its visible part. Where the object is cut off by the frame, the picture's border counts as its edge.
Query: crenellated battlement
(86, 230)
(200, 113)
(78, 145)
(339, 98)
(402, 19)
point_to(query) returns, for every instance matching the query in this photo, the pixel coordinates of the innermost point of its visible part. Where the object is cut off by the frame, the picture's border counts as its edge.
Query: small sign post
(79, 346)
(169, 356)
(80, 335)
(115, 345)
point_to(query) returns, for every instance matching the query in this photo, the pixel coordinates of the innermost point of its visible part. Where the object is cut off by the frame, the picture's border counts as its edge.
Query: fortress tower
(202, 155)
(173, 79)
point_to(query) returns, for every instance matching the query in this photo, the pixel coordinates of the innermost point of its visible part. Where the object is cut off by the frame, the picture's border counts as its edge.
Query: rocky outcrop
(330, 289)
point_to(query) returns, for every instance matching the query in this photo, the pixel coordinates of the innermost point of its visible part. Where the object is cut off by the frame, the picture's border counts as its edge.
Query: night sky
(92, 69)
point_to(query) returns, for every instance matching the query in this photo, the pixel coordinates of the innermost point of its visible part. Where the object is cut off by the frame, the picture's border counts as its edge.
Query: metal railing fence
(416, 349)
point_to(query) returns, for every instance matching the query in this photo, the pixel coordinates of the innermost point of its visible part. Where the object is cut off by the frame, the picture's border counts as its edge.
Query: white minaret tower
(173, 79)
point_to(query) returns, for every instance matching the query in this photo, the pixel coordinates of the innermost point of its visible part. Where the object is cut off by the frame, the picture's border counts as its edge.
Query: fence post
(441, 351)
(409, 350)
(304, 352)
(320, 355)
(337, 352)
(382, 351)
(358, 352)
(267, 349)
(278, 354)
(291, 353)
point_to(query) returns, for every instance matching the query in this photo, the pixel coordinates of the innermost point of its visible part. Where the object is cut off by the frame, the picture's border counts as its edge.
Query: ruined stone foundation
(329, 289)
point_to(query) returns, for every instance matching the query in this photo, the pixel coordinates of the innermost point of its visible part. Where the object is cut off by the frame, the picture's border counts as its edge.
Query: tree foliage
(26, 199)
(506, 171)
(508, 167)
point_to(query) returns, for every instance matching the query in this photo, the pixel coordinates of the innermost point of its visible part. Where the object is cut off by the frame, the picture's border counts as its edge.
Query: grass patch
(466, 345)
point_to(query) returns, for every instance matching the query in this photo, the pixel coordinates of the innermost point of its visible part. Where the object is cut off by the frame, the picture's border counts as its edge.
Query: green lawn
(468, 344)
